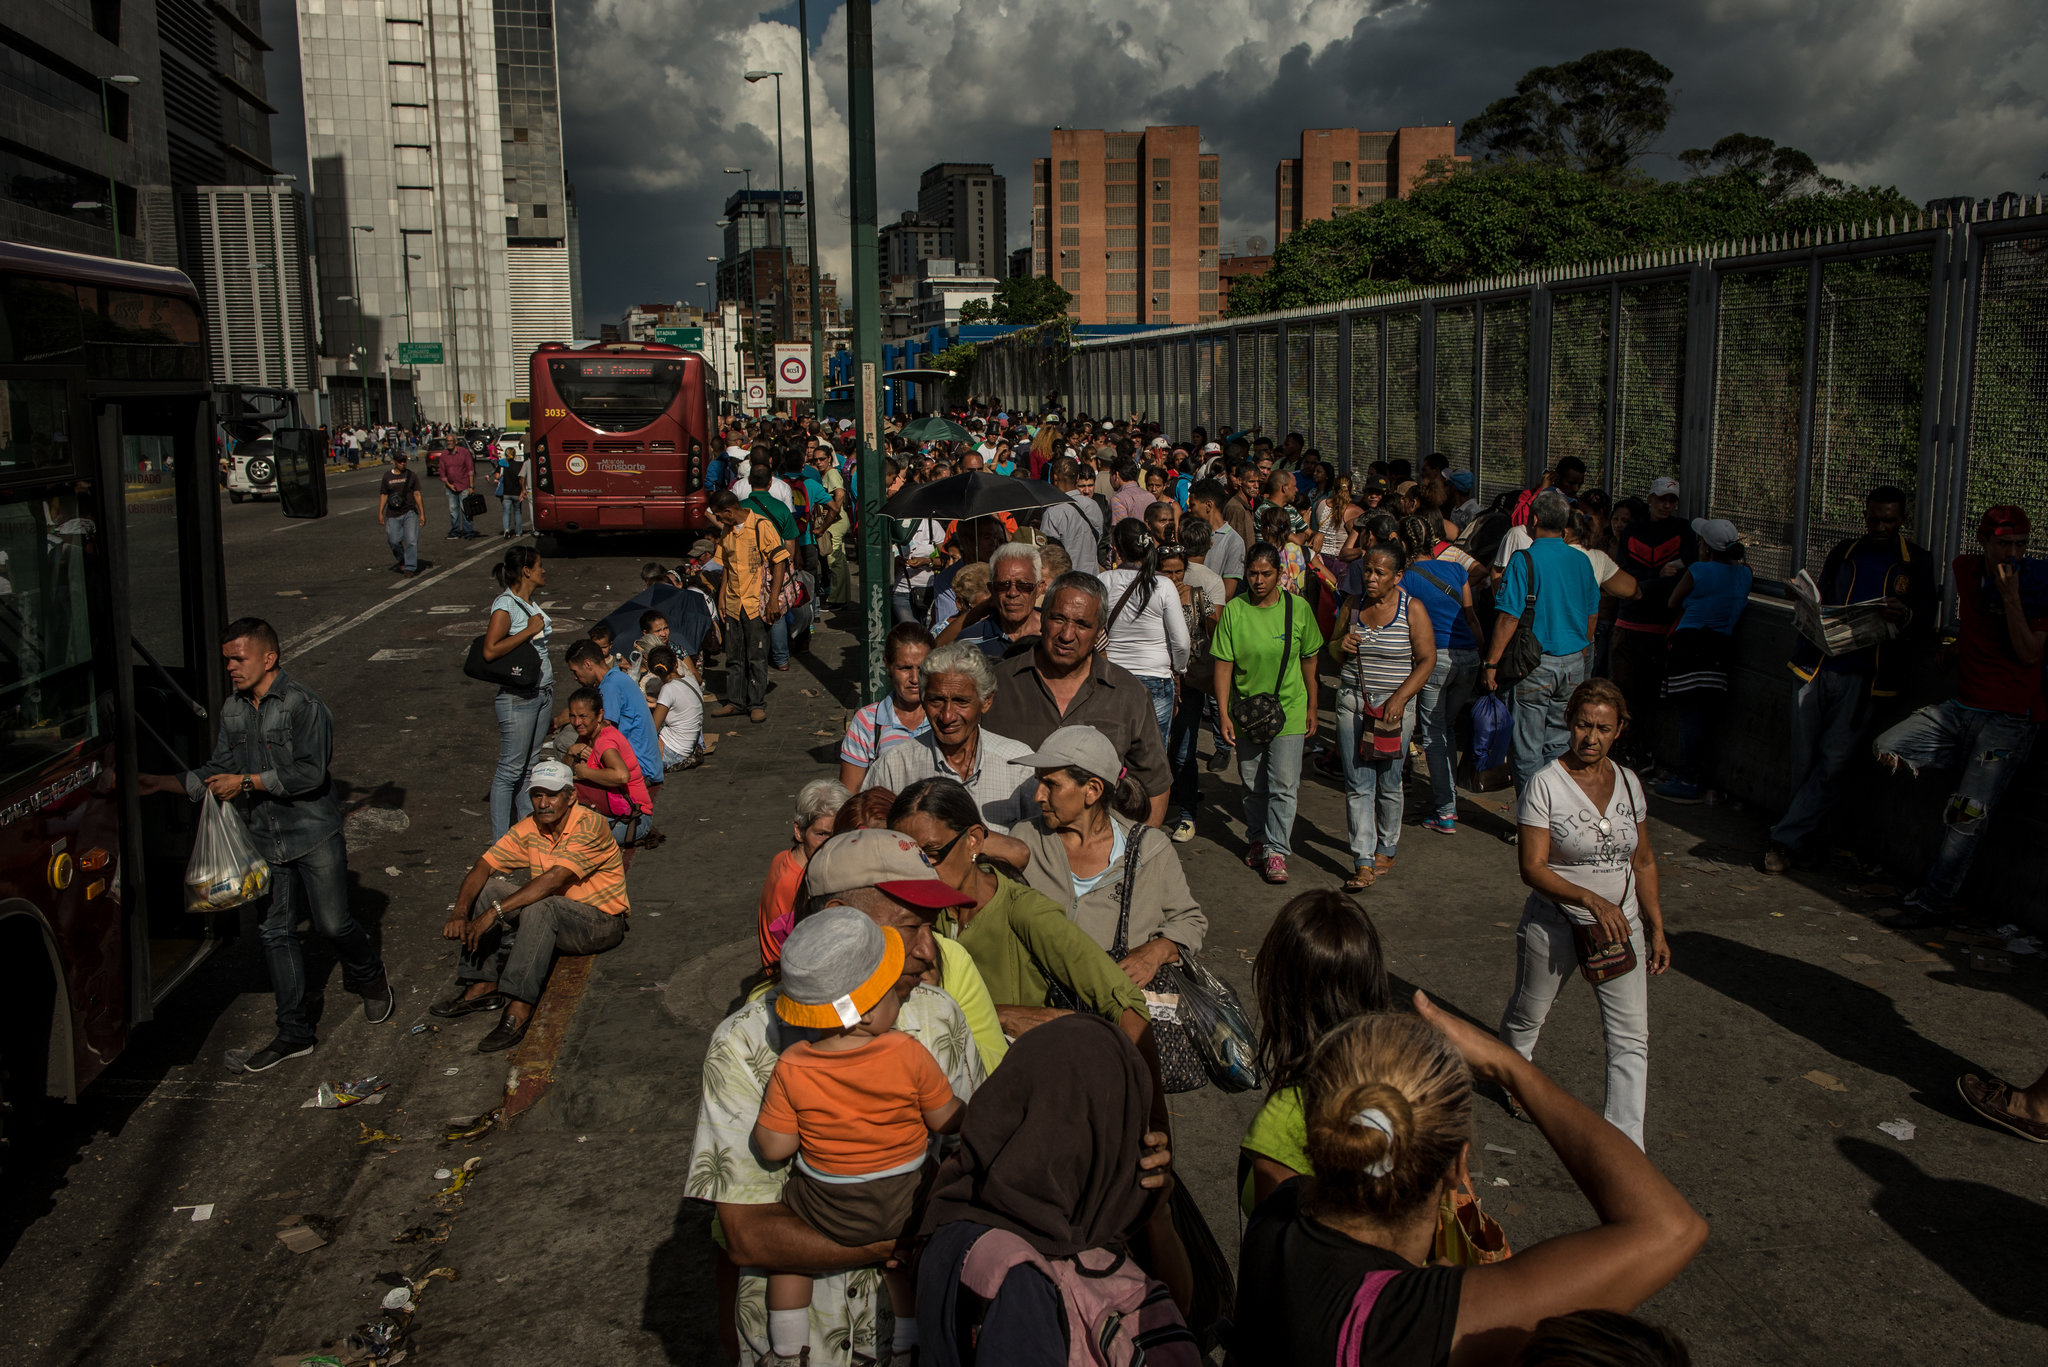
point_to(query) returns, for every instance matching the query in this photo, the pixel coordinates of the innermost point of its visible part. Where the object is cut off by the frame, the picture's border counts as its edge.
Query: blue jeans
(314, 886)
(1162, 703)
(1181, 751)
(1216, 724)
(1828, 716)
(1990, 746)
(511, 516)
(1538, 702)
(626, 830)
(1373, 791)
(778, 641)
(899, 603)
(522, 730)
(1441, 700)
(403, 533)
(458, 520)
(1272, 783)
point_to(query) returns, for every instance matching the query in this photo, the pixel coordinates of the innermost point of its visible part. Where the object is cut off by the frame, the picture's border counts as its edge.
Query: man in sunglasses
(1009, 615)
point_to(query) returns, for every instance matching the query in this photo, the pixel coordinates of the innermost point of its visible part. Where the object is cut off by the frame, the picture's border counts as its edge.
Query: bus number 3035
(555, 412)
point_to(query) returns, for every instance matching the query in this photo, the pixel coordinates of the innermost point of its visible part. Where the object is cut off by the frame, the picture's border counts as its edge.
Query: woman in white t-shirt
(675, 697)
(1592, 877)
(1146, 630)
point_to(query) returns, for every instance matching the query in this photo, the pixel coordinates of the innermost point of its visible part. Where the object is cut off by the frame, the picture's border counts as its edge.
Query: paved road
(1832, 1241)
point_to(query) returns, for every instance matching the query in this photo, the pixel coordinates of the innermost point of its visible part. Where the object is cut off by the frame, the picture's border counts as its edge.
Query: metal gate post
(1478, 388)
(1696, 449)
(1425, 383)
(1536, 456)
(1802, 486)
(1611, 444)
(1344, 392)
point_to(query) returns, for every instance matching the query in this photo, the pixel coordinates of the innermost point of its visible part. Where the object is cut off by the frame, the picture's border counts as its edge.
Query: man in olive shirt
(1061, 681)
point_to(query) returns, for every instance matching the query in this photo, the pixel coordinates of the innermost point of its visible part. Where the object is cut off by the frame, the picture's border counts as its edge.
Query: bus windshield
(616, 394)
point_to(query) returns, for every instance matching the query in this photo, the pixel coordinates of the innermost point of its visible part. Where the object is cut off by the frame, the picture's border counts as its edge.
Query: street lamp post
(803, 28)
(355, 283)
(753, 278)
(405, 267)
(107, 146)
(781, 238)
(461, 408)
(867, 341)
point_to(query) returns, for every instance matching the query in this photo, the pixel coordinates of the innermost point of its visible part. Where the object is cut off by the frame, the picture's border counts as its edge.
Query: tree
(1597, 113)
(1493, 220)
(1782, 171)
(1019, 301)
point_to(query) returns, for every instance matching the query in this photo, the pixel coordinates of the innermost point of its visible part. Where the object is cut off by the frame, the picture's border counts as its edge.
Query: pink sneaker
(1254, 855)
(1276, 868)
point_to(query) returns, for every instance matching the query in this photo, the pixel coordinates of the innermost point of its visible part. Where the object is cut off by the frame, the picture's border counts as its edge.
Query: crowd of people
(946, 1089)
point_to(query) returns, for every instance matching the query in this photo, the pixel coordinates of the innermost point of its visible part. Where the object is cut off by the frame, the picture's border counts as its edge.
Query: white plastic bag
(225, 870)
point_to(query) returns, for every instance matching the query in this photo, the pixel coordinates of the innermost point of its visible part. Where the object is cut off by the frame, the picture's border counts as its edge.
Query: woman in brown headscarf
(1048, 1154)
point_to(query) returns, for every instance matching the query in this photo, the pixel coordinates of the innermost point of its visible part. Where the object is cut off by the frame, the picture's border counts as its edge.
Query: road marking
(322, 637)
(440, 608)
(291, 646)
(400, 653)
(297, 522)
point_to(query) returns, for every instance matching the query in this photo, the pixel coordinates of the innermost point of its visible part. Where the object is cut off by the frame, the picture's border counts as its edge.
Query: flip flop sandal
(1360, 880)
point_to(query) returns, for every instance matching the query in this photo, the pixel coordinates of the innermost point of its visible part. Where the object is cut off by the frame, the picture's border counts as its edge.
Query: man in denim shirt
(271, 759)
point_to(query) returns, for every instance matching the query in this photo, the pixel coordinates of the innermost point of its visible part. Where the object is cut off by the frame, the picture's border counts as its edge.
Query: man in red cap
(1990, 725)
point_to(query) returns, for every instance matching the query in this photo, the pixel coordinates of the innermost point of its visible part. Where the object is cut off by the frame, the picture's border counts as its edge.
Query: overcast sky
(1937, 97)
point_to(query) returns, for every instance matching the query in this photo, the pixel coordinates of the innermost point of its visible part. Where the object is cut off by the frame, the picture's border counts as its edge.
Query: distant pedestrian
(271, 760)
(458, 475)
(1710, 597)
(511, 494)
(1265, 646)
(756, 562)
(400, 511)
(1559, 582)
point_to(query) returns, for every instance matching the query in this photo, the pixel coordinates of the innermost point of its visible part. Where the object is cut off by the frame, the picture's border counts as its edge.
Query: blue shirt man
(1566, 593)
(625, 707)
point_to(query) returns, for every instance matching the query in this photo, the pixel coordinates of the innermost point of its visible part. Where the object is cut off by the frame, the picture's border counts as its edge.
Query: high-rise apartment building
(968, 196)
(440, 212)
(541, 270)
(912, 238)
(1128, 223)
(767, 261)
(1342, 169)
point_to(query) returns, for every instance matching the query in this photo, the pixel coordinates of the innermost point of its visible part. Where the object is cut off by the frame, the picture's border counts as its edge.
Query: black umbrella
(974, 494)
(689, 621)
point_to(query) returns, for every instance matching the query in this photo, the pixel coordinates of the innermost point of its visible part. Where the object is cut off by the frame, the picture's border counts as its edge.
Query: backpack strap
(1351, 1337)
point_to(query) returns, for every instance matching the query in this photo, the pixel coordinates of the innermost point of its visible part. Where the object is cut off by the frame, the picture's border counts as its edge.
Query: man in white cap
(555, 883)
(887, 877)
(1655, 553)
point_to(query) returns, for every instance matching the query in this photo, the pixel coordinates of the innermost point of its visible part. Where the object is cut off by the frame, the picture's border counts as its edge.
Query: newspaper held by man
(1838, 628)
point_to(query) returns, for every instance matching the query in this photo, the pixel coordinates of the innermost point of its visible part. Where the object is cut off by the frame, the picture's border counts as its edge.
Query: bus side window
(49, 547)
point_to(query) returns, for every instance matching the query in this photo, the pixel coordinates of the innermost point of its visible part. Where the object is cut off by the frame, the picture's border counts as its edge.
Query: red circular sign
(794, 369)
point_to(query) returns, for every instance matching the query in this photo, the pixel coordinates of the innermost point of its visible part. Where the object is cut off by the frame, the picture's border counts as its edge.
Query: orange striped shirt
(584, 846)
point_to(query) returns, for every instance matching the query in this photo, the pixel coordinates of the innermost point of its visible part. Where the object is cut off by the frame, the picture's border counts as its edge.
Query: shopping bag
(1216, 1023)
(225, 870)
(1493, 732)
(1467, 1236)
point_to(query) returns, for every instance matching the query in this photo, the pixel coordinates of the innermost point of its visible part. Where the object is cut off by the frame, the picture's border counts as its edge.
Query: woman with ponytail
(1336, 1267)
(1146, 630)
(523, 714)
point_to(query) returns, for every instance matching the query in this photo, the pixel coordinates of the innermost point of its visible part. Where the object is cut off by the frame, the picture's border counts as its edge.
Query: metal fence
(1777, 379)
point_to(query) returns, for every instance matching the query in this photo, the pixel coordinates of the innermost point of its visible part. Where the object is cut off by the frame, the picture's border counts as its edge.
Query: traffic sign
(792, 370)
(757, 393)
(419, 353)
(690, 339)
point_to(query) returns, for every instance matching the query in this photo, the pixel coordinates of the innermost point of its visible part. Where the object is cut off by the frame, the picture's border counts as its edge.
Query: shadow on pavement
(682, 1289)
(1842, 1016)
(1967, 1229)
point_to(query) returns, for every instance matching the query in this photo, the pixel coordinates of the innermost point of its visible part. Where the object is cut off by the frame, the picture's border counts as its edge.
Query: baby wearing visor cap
(854, 1103)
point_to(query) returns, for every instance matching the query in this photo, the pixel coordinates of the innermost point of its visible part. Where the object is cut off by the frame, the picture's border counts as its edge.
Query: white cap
(1718, 532)
(1663, 486)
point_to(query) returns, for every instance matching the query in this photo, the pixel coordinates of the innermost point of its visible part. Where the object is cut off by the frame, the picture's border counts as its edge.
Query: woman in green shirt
(1320, 965)
(1020, 939)
(1251, 639)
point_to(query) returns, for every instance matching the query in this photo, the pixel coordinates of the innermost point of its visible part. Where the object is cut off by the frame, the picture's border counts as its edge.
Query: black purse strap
(1529, 602)
(1121, 946)
(1286, 640)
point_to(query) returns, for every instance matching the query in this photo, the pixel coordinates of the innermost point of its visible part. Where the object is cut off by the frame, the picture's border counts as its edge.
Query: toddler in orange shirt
(856, 1108)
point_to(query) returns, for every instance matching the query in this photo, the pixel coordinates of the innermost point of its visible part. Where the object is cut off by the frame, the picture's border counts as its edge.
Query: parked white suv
(252, 471)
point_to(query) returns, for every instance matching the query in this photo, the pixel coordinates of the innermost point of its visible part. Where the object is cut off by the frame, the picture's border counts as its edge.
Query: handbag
(1524, 652)
(473, 504)
(1260, 717)
(1180, 1062)
(517, 670)
(1603, 961)
(1466, 1236)
(1381, 739)
(1213, 1302)
(1217, 1024)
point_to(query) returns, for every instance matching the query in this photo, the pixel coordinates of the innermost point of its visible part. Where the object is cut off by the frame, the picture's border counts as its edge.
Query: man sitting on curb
(555, 883)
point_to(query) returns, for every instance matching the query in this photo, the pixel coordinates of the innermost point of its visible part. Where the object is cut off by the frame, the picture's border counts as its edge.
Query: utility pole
(803, 28)
(867, 343)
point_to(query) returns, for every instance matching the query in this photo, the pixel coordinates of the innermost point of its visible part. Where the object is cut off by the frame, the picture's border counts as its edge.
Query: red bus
(111, 605)
(621, 434)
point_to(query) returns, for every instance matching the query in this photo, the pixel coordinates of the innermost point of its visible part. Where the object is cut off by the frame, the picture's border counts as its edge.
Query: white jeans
(1547, 958)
